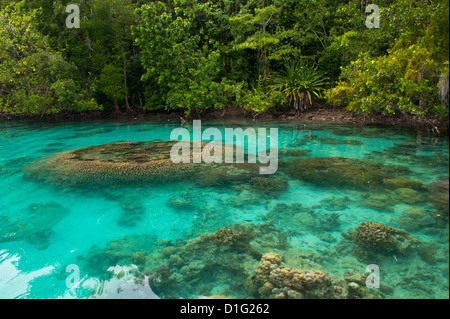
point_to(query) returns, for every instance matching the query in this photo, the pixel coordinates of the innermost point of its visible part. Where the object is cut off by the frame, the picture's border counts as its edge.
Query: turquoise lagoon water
(58, 242)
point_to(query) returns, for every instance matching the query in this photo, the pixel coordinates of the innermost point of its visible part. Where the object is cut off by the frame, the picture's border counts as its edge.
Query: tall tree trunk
(116, 106)
(127, 105)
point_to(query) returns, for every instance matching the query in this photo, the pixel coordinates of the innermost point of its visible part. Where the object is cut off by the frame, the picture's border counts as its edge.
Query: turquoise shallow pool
(192, 239)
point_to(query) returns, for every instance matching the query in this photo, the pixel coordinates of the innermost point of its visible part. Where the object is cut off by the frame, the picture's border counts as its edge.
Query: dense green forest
(194, 55)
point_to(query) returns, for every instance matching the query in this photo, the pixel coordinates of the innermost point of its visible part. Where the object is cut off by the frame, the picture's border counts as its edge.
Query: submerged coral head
(215, 152)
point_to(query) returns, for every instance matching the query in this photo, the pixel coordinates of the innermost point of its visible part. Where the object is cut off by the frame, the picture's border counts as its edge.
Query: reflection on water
(344, 197)
(15, 283)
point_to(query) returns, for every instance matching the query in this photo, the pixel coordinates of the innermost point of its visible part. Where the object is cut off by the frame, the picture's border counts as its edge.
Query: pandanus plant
(299, 83)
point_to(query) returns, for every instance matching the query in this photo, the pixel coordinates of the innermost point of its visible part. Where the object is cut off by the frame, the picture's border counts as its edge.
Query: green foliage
(180, 60)
(411, 77)
(195, 55)
(299, 83)
(110, 81)
(405, 80)
(251, 32)
(259, 99)
(33, 77)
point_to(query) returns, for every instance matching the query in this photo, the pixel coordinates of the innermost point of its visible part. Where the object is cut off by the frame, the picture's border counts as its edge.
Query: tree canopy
(195, 55)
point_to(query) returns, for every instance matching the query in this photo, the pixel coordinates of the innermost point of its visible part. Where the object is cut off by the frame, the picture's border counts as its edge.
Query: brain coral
(112, 164)
(374, 237)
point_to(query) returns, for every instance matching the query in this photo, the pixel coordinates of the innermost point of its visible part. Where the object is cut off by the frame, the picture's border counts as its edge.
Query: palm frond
(299, 83)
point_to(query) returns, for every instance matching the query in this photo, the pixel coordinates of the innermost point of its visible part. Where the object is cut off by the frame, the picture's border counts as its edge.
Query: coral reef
(266, 236)
(226, 236)
(184, 202)
(291, 217)
(375, 238)
(409, 196)
(216, 263)
(428, 253)
(133, 210)
(413, 219)
(274, 280)
(268, 186)
(247, 198)
(355, 287)
(380, 202)
(330, 221)
(340, 172)
(121, 251)
(395, 183)
(197, 267)
(407, 152)
(111, 164)
(336, 203)
(134, 163)
(222, 175)
(439, 195)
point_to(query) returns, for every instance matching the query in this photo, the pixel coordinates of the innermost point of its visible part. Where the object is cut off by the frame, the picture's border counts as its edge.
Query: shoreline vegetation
(337, 115)
(224, 59)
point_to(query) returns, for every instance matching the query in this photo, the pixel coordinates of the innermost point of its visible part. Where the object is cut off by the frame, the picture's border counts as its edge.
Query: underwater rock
(428, 253)
(354, 290)
(266, 236)
(413, 219)
(380, 202)
(330, 221)
(439, 195)
(274, 280)
(209, 218)
(292, 217)
(183, 203)
(247, 198)
(339, 172)
(33, 225)
(268, 186)
(258, 191)
(327, 237)
(395, 183)
(406, 152)
(375, 238)
(335, 141)
(288, 209)
(409, 196)
(335, 204)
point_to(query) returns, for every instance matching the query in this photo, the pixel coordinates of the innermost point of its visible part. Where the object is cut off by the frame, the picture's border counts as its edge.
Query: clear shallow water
(44, 228)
